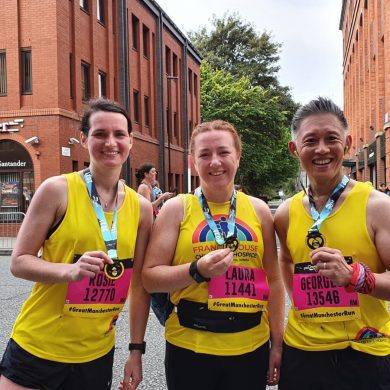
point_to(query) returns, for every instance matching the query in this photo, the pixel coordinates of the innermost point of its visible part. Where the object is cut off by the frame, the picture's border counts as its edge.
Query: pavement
(14, 291)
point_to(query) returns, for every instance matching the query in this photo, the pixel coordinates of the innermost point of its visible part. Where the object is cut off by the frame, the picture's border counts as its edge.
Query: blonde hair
(216, 125)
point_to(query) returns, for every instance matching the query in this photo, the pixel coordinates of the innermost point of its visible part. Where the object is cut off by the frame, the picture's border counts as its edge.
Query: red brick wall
(53, 30)
(366, 30)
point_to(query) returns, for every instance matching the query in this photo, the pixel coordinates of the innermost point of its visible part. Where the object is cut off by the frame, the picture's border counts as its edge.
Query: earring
(296, 153)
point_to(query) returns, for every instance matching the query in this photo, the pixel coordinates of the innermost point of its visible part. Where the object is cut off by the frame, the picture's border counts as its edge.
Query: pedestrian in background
(93, 231)
(383, 188)
(214, 251)
(146, 176)
(334, 252)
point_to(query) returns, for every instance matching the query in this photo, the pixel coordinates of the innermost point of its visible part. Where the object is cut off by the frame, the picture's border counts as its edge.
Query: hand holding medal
(215, 263)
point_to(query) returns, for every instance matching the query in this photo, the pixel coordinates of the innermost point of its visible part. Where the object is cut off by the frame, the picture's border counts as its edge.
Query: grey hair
(320, 105)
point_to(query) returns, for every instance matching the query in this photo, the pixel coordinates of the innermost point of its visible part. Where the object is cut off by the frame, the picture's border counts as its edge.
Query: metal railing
(10, 223)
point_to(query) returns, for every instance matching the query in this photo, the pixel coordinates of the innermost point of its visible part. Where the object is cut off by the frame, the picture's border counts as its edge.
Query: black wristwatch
(195, 274)
(137, 347)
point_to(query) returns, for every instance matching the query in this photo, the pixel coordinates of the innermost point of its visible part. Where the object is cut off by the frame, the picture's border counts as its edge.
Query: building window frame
(71, 76)
(85, 81)
(195, 84)
(3, 73)
(147, 111)
(136, 105)
(190, 81)
(174, 64)
(175, 125)
(84, 5)
(101, 12)
(145, 41)
(135, 31)
(167, 60)
(102, 84)
(26, 70)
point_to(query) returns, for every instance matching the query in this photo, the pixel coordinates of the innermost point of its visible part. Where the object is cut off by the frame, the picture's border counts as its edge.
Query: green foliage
(265, 165)
(234, 45)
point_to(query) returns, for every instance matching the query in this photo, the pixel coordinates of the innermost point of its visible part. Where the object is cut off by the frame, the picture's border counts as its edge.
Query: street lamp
(169, 78)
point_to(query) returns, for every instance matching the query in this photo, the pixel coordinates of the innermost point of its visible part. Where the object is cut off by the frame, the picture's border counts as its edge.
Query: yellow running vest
(75, 333)
(323, 328)
(195, 240)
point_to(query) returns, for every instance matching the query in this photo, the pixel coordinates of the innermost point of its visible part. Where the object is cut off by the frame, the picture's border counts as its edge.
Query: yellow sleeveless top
(195, 240)
(54, 327)
(346, 230)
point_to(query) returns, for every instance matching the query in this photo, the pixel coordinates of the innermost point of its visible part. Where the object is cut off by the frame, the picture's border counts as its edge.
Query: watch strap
(138, 347)
(195, 274)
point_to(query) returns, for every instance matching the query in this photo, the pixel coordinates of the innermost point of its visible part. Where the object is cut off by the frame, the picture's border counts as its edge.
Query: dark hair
(321, 105)
(242, 188)
(105, 105)
(216, 125)
(144, 168)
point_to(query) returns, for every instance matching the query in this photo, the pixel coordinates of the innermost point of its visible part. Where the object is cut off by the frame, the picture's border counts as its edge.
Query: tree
(235, 46)
(265, 165)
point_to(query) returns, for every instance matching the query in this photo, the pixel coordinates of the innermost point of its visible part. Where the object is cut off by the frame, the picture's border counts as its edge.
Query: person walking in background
(93, 231)
(146, 176)
(383, 188)
(214, 251)
(157, 193)
(334, 252)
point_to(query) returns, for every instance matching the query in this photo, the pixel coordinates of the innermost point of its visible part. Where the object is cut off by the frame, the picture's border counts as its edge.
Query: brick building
(365, 25)
(55, 55)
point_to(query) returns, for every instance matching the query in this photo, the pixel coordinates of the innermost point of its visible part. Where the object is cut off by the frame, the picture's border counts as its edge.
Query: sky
(311, 54)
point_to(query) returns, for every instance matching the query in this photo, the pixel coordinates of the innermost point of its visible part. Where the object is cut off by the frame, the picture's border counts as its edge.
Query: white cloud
(311, 55)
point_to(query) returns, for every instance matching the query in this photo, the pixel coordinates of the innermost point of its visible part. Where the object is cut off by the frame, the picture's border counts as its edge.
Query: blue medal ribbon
(218, 234)
(319, 218)
(109, 235)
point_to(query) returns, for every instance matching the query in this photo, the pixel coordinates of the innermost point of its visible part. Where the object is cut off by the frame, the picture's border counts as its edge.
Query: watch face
(198, 277)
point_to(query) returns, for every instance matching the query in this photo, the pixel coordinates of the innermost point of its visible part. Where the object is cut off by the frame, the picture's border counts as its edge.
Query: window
(189, 80)
(85, 81)
(3, 73)
(195, 85)
(168, 124)
(102, 84)
(145, 39)
(136, 105)
(174, 60)
(175, 125)
(135, 28)
(84, 5)
(71, 76)
(177, 181)
(167, 60)
(75, 165)
(146, 109)
(100, 11)
(26, 71)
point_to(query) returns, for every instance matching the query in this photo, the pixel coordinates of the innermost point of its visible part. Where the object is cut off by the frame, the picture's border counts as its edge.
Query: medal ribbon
(320, 217)
(109, 235)
(210, 221)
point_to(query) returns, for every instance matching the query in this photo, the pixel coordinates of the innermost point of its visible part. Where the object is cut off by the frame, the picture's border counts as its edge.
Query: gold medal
(115, 270)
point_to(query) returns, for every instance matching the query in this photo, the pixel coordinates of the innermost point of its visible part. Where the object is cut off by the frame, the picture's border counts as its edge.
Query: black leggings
(187, 370)
(344, 369)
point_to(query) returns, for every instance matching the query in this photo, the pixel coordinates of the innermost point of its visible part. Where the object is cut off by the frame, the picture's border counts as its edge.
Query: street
(14, 291)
